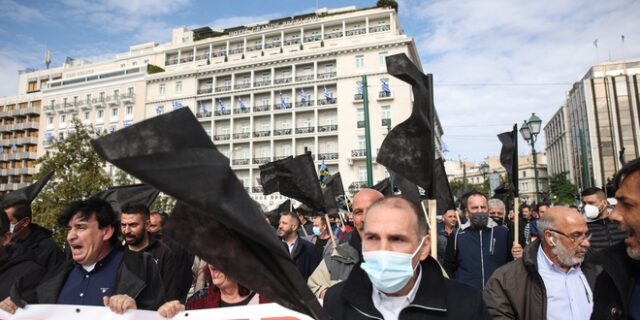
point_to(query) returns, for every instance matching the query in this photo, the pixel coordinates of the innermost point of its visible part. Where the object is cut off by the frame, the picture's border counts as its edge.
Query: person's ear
(552, 242)
(426, 247)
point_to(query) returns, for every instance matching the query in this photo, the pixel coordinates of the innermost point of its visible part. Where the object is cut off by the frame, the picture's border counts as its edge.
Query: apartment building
(557, 137)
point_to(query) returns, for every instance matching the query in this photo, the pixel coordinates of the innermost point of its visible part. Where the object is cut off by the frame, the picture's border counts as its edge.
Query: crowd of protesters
(372, 263)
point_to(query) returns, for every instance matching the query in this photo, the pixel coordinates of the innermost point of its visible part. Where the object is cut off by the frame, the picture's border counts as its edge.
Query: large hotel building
(262, 92)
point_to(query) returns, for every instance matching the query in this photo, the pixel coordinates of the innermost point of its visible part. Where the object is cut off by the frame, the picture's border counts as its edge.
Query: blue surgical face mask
(389, 271)
(316, 231)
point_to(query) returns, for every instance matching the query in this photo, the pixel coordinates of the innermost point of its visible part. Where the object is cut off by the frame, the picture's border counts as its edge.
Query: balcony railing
(312, 38)
(358, 96)
(281, 132)
(204, 90)
(384, 94)
(360, 123)
(386, 122)
(221, 137)
(241, 162)
(305, 130)
(236, 51)
(243, 85)
(304, 77)
(220, 53)
(223, 88)
(272, 45)
(203, 114)
(328, 128)
(242, 135)
(381, 28)
(262, 83)
(308, 103)
(356, 32)
(328, 156)
(333, 35)
(224, 112)
(282, 80)
(186, 59)
(261, 160)
(254, 48)
(261, 108)
(326, 75)
(282, 106)
(241, 110)
(359, 153)
(259, 134)
(291, 42)
(328, 101)
(127, 97)
(203, 56)
(257, 189)
(171, 61)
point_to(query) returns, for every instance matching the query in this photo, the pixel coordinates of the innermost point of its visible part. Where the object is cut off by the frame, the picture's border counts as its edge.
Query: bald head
(560, 216)
(565, 236)
(361, 203)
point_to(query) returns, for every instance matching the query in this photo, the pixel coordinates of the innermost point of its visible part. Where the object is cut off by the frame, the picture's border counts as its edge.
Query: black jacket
(46, 251)
(137, 277)
(166, 262)
(618, 273)
(20, 265)
(437, 298)
(305, 256)
(604, 234)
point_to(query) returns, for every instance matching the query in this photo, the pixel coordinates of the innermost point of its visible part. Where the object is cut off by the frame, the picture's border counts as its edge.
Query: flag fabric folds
(384, 187)
(408, 149)
(509, 156)
(202, 107)
(28, 193)
(243, 107)
(221, 106)
(360, 88)
(332, 191)
(327, 95)
(384, 85)
(442, 189)
(303, 97)
(159, 110)
(214, 217)
(283, 101)
(294, 178)
(121, 196)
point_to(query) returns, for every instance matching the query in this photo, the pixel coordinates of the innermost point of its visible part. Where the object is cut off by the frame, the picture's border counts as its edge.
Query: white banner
(272, 311)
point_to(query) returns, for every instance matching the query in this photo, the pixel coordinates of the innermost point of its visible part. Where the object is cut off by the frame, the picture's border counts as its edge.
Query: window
(100, 114)
(307, 70)
(245, 128)
(265, 101)
(53, 102)
(362, 173)
(226, 130)
(116, 93)
(179, 87)
(86, 115)
(329, 67)
(88, 98)
(286, 124)
(246, 80)
(306, 123)
(264, 152)
(75, 100)
(265, 126)
(329, 147)
(524, 174)
(361, 143)
(64, 102)
(114, 112)
(227, 83)
(161, 90)
(360, 115)
(51, 120)
(359, 62)
(33, 86)
(383, 58)
(286, 150)
(385, 112)
(130, 91)
(129, 110)
(63, 119)
(101, 96)
(329, 121)
(265, 76)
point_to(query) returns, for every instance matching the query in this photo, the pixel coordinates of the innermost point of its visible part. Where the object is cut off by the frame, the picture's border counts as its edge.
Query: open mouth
(75, 249)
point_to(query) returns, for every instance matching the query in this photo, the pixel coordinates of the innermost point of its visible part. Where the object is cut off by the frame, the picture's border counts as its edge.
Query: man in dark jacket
(134, 222)
(605, 232)
(549, 282)
(617, 290)
(101, 272)
(479, 246)
(302, 252)
(32, 236)
(398, 279)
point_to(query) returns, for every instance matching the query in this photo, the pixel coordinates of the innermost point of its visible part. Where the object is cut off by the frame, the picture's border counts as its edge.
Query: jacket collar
(530, 255)
(358, 289)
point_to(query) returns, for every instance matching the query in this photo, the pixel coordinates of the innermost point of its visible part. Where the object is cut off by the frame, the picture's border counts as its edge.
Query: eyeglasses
(576, 237)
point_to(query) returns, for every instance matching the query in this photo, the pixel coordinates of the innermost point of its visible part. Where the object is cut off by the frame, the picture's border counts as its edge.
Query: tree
(163, 203)
(387, 4)
(562, 190)
(78, 174)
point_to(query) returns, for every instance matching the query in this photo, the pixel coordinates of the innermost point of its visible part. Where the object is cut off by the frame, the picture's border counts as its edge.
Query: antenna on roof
(47, 58)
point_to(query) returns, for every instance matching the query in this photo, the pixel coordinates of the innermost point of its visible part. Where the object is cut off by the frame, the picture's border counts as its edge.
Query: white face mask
(590, 211)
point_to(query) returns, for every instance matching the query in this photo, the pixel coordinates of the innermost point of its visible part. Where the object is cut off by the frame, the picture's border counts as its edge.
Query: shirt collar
(543, 260)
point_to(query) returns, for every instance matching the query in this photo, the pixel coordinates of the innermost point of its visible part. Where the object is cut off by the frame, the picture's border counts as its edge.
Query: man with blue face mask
(398, 279)
(595, 210)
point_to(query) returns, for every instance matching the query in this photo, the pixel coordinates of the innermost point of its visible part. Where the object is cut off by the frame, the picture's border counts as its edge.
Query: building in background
(558, 142)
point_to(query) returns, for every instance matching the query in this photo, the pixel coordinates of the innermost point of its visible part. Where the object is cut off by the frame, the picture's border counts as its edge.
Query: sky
(494, 61)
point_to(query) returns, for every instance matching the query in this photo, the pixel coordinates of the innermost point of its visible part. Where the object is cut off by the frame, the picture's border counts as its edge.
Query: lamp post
(529, 132)
(484, 169)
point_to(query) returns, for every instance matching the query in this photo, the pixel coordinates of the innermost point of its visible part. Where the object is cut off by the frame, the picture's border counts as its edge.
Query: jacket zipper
(366, 314)
(482, 259)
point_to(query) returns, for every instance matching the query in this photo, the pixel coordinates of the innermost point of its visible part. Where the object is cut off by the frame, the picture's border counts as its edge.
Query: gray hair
(545, 224)
(496, 203)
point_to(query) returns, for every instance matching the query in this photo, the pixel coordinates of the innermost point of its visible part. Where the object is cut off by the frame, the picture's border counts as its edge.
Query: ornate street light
(529, 131)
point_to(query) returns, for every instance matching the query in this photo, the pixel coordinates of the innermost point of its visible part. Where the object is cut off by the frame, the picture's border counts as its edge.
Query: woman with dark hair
(220, 291)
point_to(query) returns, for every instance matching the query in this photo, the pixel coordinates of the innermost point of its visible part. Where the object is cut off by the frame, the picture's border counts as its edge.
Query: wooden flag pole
(333, 240)
(458, 217)
(516, 221)
(431, 218)
(297, 215)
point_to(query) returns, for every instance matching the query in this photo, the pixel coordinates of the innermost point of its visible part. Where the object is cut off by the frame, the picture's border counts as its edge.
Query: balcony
(272, 45)
(328, 156)
(360, 123)
(384, 94)
(241, 110)
(308, 103)
(261, 108)
(282, 106)
(262, 83)
(171, 62)
(282, 80)
(305, 130)
(358, 153)
(240, 162)
(307, 77)
(224, 112)
(257, 47)
(261, 134)
(356, 32)
(328, 101)
(221, 137)
(220, 53)
(333, 35)
(358, 96)
(381, 28)
(203, 114)
(312, 38)
(202, 56)
(328, 128)
(242, 135)
(281, 132)
(27, 140)
(291, 42)
(186, 59)
(205, 90)
(326, 75)
(244, 85)
(261, 160)
(236, 51)
(257, 189)
(223, 88)
(86, 105)
(48, 109)
(386, 122)
(71, 107)
(127, 97)
(113, 100)
(98, 103)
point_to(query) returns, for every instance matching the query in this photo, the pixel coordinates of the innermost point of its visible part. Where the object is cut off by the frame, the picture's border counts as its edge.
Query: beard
(136, 240)
(567, 256)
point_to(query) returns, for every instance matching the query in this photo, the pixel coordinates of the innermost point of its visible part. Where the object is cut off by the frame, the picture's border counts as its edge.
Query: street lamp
(529, 132)
(484, 169)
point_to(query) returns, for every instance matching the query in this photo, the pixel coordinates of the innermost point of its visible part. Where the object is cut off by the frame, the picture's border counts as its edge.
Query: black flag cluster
(120, 196)
(28, 193)
(509, 157)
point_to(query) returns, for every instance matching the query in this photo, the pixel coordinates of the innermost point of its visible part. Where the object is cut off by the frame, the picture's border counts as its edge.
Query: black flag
(409, 148)
(509, 156)
(215, 218)
(442, 190)
(28, 193)
(332, 190)
(384, 187)
(407, 188)
(294, 178)
(274, 215)
(121, 196)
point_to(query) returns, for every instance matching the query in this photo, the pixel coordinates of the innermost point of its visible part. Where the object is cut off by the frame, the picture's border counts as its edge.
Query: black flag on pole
(409, 148)
(121, 196)
(294, 178)
(28, 193)
(214, 218)
(442, 189)
(384, 187)
(332, 190)
(509, 157)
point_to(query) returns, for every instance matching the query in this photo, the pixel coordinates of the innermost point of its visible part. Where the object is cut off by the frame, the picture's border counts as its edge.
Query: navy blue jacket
(473, 254)
(306, 257)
